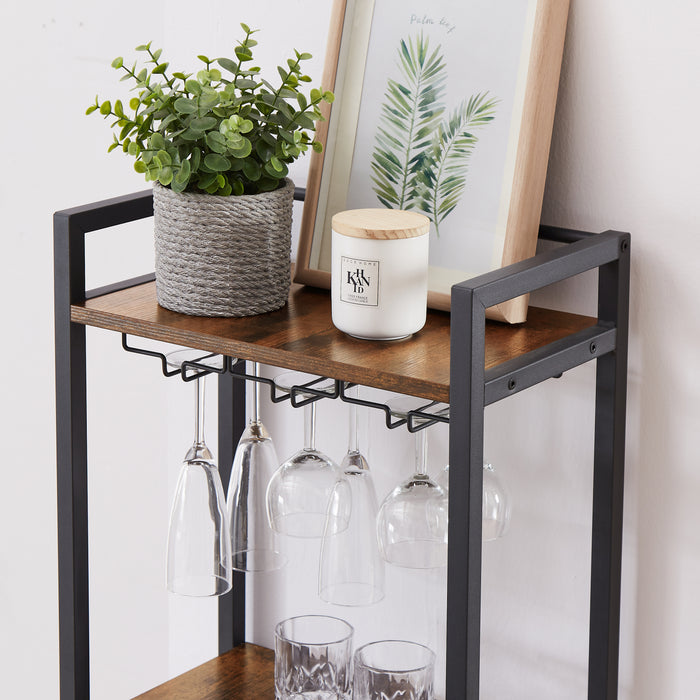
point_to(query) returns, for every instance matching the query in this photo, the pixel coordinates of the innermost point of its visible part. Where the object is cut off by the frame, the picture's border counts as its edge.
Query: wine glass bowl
(412, 519)
(199, 545)
(351, 570)
(254, 545)
(307, 495)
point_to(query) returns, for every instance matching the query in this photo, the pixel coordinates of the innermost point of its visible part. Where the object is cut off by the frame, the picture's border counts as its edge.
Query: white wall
(624, 156)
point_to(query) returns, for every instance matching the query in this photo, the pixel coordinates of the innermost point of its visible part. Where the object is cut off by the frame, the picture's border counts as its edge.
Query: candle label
(359, 281)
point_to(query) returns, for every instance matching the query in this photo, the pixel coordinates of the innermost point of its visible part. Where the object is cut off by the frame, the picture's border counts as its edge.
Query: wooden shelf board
(244, 673)
(301, 336)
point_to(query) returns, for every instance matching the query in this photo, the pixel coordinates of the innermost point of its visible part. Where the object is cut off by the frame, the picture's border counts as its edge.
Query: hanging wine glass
(495, 504)
(199, 544)
(351, 571)
(412, 520)
(254, 545)
(308, 495)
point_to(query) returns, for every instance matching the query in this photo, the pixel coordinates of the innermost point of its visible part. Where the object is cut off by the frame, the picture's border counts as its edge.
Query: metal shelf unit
(474, 382)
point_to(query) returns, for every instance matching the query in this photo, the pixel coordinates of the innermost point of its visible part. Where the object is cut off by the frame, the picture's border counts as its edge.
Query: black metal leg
(466, 478)
(231, 425)
(71, 462)
(608, 483)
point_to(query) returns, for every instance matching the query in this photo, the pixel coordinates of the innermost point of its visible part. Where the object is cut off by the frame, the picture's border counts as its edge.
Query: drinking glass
(495, 504)
(199, 544)
(313, 654)
(393, 669)
(351, 571)
(308, 495)
(412, 520)
(254, 545)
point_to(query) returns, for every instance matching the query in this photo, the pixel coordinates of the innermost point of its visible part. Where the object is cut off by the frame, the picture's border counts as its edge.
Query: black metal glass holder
(298, 395)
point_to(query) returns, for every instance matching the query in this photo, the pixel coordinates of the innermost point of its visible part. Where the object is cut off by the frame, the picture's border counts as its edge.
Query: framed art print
(446, 108)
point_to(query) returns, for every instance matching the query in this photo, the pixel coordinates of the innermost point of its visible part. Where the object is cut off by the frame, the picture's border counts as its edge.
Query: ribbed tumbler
(313, 655)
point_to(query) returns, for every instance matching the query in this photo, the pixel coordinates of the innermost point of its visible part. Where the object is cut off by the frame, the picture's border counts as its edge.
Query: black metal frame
(471, 389)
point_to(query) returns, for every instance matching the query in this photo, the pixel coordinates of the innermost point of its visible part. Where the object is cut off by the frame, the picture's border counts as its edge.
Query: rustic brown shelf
(301, 336)
(244, 673)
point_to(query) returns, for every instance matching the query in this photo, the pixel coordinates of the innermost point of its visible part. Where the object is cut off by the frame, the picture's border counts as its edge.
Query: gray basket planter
(222, 256)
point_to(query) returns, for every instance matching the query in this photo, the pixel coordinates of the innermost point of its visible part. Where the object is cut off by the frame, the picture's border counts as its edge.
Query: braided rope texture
(223, 256)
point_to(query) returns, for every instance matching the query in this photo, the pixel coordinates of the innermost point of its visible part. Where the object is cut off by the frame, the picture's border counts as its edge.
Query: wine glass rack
(459, 359)
(416, 419)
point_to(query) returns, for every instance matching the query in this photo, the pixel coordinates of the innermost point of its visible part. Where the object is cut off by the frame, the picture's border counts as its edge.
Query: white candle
(379, 275)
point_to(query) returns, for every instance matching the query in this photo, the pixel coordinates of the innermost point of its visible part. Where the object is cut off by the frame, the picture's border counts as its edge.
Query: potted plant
(216, 145)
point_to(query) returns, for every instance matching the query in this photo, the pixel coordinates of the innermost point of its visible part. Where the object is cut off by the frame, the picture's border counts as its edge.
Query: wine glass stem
(199, 411)
(422, 452)
(353, 435)
(310, 426)
(256, 394)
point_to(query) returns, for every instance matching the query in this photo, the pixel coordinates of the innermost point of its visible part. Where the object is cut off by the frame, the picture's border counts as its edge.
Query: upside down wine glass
(412, 520)
(351, 571)
(254, 544)
(308, 495)
(495, 503)
(199, 544)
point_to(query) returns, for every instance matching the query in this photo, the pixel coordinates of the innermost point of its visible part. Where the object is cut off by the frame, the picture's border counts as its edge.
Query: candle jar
(379, 274)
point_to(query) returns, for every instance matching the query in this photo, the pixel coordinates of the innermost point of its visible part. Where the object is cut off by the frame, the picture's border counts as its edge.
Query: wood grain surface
(244, 673)
(301, 336)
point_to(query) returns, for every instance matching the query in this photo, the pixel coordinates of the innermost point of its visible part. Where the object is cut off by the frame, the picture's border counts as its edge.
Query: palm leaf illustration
(409, 116)
(443, 178)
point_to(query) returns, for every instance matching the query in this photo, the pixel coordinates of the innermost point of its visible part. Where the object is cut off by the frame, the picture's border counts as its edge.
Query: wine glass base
(254, 561)
(417, 554)
(351, 594)
(308, 525)
(200, 586)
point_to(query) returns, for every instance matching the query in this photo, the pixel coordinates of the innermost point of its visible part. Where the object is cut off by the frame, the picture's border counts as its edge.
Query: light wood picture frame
(445, 107)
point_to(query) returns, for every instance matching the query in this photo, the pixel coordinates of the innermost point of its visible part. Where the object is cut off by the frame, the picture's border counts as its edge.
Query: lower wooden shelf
(244, 673)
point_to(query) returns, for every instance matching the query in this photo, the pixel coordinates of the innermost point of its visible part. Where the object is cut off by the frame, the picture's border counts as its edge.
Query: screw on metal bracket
(624, 245)
(511, 384)
(593, 347)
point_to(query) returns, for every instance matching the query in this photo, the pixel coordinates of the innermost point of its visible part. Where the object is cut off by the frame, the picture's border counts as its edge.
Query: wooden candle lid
(380, 224)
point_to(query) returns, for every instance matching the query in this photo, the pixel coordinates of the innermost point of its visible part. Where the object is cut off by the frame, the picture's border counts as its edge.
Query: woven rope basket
(222, 256)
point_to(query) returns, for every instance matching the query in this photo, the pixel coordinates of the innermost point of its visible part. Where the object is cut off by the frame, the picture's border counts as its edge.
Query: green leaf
(134, 149)
(118, 62)
(141, 77)
(246, 28)
(217, 162)
(228, 64)
(252, 170)
(164, 158)
(134, 103)
(242, 149)
(203, 123)
(215, 75)
(328, 96)
(305, 56)
(238, 188)
(119, 108)
(165, 177)
(143, 47)
(183, 174)
(216, 142)
(160, 69)
(90, 109)
(157, 141)
(185, 106)
(204, 59)
(206, 180)
(112, 146)
(106, 107)
(193, 86)
(140, 167)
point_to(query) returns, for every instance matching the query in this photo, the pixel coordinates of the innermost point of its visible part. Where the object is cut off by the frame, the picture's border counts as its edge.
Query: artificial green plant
(225, 130)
